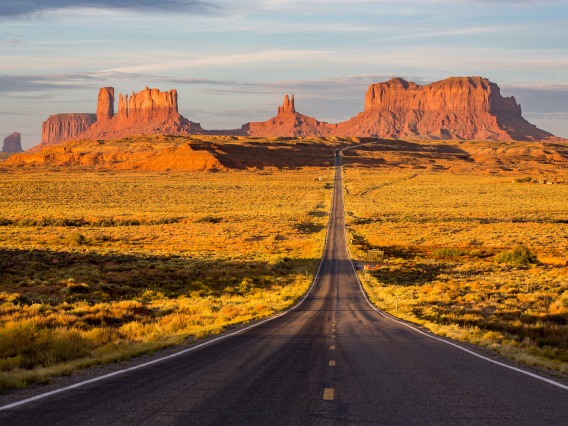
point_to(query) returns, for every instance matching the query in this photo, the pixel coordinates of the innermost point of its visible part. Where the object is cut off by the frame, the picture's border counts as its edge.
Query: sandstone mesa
(463, 108)
(13, 143)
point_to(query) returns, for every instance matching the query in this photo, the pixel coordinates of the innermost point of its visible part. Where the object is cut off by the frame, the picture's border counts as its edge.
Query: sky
(233, 61)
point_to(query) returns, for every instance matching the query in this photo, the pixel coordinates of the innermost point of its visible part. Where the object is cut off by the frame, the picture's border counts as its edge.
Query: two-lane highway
(333, 359)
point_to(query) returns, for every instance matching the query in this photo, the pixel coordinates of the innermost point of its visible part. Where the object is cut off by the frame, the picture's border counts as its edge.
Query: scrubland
(101, 266)
(99, 263)
(448, 239)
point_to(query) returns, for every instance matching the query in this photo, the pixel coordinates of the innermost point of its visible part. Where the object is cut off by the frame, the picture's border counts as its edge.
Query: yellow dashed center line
(328, 394)
(332, 363)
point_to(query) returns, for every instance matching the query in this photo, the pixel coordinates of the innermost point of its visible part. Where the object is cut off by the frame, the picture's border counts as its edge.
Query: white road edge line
(193, 348)
(392, 318)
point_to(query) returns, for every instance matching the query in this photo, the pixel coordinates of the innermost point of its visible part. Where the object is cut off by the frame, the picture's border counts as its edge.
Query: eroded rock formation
(289, 123)
(105, 105)
(149, 111)
(454, 108)
(148, 105)
(288, 106)
(59, 128)
(13, 143)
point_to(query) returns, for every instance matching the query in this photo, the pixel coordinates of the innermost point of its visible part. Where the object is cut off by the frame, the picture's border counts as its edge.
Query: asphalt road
(333, 360)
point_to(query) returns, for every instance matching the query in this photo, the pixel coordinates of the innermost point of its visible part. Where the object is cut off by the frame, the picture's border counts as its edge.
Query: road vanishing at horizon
(334, 359)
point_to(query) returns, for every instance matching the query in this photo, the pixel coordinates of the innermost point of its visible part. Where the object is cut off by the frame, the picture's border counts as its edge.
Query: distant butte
(287, 122)
(12, 143)
(469, 108)
(59, 128)
(464, 108)
(147, 112)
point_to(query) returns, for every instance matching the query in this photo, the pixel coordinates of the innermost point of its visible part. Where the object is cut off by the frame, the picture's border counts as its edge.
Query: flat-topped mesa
(105, 105)
(454, 108)
(149, 105)
(454, 94)
(61, 127)
(288, 106)
(13, 143)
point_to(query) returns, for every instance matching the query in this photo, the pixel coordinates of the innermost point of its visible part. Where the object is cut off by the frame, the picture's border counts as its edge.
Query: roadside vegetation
(474, 257)
(102, 266)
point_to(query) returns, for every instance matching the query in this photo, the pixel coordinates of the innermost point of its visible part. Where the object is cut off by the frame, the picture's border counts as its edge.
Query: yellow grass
(99, 266)
(442, 233)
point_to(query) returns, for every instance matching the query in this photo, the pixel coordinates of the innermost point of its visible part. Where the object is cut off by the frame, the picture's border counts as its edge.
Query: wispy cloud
(13, 41)
(456, 32)
(546, 115)
(268, 57)
(19, 7)
(40, 83)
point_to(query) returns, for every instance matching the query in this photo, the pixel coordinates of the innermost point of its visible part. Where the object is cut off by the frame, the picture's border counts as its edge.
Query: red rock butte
(455, 108)
(147, 112)
(465, 108)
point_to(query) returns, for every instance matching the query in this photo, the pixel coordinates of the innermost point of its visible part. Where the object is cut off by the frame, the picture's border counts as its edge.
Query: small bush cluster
(448, 252)
(520, 255)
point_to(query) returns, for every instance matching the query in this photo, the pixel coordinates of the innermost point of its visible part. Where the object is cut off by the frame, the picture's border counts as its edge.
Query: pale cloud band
(10, 8)
(19, 7)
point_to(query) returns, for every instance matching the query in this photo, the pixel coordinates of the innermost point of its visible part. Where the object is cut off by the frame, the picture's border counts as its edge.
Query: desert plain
(111, 249)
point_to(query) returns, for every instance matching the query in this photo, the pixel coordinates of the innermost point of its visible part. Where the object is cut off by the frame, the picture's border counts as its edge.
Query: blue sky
(233, 61)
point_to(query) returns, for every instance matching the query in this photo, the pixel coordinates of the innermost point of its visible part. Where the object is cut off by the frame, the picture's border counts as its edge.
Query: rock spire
(105, 105)
(288, 106)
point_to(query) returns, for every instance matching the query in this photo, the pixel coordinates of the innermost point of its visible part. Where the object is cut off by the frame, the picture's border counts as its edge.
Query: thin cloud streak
(267, 57)
(456, 32)
(9, 8)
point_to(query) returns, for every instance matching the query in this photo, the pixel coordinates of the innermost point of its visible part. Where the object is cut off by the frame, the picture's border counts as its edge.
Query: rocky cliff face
(13, 143)
(147, 106)
(61, 127)
(147, 112)
(105, 105)
(455, 108)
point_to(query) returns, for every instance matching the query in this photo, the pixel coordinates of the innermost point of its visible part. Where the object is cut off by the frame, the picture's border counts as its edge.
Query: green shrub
(524, 180)
(11, 363)
(78, 287)
(77, 239)
(448, 252)
(27, 345)
(520, 255)
(209, 219)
